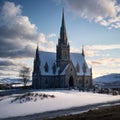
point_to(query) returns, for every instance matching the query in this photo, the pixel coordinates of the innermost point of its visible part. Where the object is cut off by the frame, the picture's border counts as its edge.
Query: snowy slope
(63, 99)
(110, 78)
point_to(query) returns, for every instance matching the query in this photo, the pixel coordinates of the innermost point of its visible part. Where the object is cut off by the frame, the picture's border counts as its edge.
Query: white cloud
(18, 39)
(12, 19)
(106, 65)
(10, 10)
(103, 47)
(51, 35)
(74, 50)
(45, 44)
(93, 50)
(104, 12)
(16, 28)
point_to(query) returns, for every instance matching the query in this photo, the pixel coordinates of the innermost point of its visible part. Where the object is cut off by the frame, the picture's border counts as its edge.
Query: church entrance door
(71, 83)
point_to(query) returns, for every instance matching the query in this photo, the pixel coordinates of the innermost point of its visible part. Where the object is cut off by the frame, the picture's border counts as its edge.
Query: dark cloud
(24, 52)
(17, 34)
(18, 38)
(6, 63)
(7, 67)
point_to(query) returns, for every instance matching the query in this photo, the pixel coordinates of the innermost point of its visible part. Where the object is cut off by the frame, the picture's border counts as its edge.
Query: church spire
(36, 70)
(37, 53)
(63, 48)
(83, 53)
(63, 34)
(37, 61)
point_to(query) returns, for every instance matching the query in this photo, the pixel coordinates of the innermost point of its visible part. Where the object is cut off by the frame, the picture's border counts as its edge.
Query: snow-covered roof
(78, 58)
(50, 58)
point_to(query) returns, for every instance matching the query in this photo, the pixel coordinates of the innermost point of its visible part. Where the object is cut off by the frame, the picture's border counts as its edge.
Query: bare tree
(24, 73)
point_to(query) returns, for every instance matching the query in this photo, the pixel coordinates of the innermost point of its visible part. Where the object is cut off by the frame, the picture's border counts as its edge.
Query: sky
(94, 24)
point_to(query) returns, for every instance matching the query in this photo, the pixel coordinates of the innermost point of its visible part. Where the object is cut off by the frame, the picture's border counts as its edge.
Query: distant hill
(107, 78)
(12, 81)
(110, 80)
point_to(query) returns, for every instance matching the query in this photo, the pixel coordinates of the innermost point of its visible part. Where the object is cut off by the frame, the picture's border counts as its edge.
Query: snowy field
(54, 101)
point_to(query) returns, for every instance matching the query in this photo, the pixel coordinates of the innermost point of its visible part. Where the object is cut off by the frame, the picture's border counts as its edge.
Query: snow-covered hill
(110, 80)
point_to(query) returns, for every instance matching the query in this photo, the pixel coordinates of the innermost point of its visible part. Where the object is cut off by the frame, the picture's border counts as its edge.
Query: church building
(61, 69)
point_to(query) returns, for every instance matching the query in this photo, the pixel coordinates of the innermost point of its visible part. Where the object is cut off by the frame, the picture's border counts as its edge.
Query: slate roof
(50, 58)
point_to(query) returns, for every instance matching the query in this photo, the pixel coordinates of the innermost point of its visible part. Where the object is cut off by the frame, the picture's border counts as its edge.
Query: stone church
(61, 69)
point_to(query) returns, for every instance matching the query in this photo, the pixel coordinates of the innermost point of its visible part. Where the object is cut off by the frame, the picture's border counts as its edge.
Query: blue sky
(94, 24)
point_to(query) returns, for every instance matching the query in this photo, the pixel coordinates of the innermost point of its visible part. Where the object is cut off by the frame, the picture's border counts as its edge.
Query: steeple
(83, 53)
(63, 34)
(37, 60)
(63, 48)
(36, 70)
(37, 53)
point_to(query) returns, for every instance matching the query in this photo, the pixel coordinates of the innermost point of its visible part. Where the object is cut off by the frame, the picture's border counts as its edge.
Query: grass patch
(27, 97)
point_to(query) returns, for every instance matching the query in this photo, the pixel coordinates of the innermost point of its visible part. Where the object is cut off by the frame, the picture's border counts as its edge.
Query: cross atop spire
(63, 34)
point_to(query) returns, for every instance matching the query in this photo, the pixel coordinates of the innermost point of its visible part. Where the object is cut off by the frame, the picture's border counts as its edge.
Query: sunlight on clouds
(51, 35)
(94, 50)
(101, 72)
(102, 47)
(45, 44)
(16, 28)
(19, 36)
(104, 12)
(10, 10)
(110, 65)
(106, 62)
(74, 50)
(91, 53)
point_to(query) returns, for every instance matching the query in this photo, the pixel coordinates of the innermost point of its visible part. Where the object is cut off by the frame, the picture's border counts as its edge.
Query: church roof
(50, 59)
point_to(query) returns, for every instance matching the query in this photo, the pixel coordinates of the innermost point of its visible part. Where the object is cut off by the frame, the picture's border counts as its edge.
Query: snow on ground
(63, 99)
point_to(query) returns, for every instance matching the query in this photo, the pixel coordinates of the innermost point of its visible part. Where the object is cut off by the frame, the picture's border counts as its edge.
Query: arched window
(84, 68)
(78, 67)
(46, 67)
(54, 68)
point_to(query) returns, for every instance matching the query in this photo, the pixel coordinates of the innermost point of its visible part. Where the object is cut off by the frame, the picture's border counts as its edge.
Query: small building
(61, 69)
